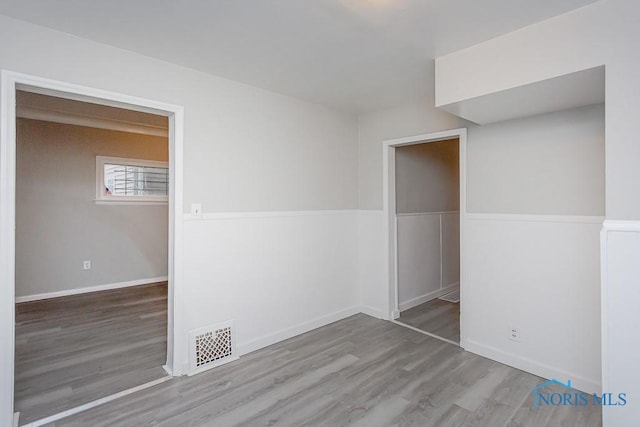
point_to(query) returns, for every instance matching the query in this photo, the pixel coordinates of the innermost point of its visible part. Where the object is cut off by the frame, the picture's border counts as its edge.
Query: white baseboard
(301, 328)
(413, 302)
(545, 371)
(78, 291)
(373, 312)
(16, 419)
(216, 216)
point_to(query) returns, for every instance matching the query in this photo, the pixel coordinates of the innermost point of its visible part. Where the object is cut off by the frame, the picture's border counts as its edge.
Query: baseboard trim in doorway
(457, 344)
(16, 419)
(453, 297)
(93, 404)
(107, 287)
(414, 302)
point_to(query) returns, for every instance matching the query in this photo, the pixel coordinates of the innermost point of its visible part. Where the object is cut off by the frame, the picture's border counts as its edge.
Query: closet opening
(425, 208)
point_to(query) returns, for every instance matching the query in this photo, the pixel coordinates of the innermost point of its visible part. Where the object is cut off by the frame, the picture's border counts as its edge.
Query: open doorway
(425, 203)
(164, 290)
(428, 237)
(91, 252)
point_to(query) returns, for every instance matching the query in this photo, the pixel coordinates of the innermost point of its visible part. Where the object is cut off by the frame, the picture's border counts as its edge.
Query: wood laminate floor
(73, 350)
(359, 371)
(441, 318)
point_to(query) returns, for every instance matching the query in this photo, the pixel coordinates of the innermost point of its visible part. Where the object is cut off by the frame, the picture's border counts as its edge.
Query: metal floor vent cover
(211, 346)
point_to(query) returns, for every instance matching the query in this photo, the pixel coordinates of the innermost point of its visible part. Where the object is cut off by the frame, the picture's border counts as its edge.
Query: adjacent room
(338, 212)
(91, 252)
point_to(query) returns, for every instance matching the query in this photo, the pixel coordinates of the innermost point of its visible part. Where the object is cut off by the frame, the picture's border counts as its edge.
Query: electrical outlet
(514, 334)
(86, 265)
(196, 210)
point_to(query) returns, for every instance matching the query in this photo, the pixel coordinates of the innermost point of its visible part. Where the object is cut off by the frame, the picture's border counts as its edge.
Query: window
(131, 180)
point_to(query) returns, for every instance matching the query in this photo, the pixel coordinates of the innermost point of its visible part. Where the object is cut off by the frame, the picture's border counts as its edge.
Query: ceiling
(353, 55)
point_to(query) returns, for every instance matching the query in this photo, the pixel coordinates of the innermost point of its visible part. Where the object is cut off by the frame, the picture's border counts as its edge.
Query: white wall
(374, 128)
(604, 32)
(551, 164)
(265, 269)
(58, 224)
(601, 33)
(517, 213)
(535, 197)
(542, 277)
(621, 241)
(245, 149)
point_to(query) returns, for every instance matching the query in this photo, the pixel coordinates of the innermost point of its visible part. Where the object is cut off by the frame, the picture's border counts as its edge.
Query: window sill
(130, 202)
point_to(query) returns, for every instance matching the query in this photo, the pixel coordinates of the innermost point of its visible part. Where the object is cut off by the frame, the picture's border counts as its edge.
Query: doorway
(91, 252)
(425, 208)
(13, 82)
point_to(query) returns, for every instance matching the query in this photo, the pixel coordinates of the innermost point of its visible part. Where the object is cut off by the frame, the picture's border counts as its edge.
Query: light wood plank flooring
(441, 318)
(76, 349)
(359, 371)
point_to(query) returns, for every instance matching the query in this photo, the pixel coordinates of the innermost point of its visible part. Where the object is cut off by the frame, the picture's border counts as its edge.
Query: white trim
(426, 137)
(428, 213)
(292, 331)
(604, 304)
(7, 244)
(578, 219)
(371, 212)
(429, 334)
(12, 81)
(608, 226)
(216, 216)
(618, 225)
(94, 403)
(16, 419)
(373, 312)
(414, 302)
(98, 288)
(112, 202)
(532, 366)
(389, 208)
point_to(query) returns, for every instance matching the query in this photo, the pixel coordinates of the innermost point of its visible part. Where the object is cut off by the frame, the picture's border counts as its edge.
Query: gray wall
(550, 164)
(58, 225)
(428, 177)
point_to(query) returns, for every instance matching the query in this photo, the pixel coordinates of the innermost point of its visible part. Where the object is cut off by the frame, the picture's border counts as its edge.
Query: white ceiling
(354, 55)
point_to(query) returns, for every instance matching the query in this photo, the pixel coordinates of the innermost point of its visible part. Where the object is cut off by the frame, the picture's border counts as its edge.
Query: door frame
(10, 82)
(389, 206)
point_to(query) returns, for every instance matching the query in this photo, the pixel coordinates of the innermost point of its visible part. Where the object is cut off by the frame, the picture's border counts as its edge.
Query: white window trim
(102, 198)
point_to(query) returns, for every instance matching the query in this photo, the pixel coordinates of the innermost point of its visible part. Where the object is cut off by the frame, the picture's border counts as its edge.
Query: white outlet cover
(196, 210)
(513, 334)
